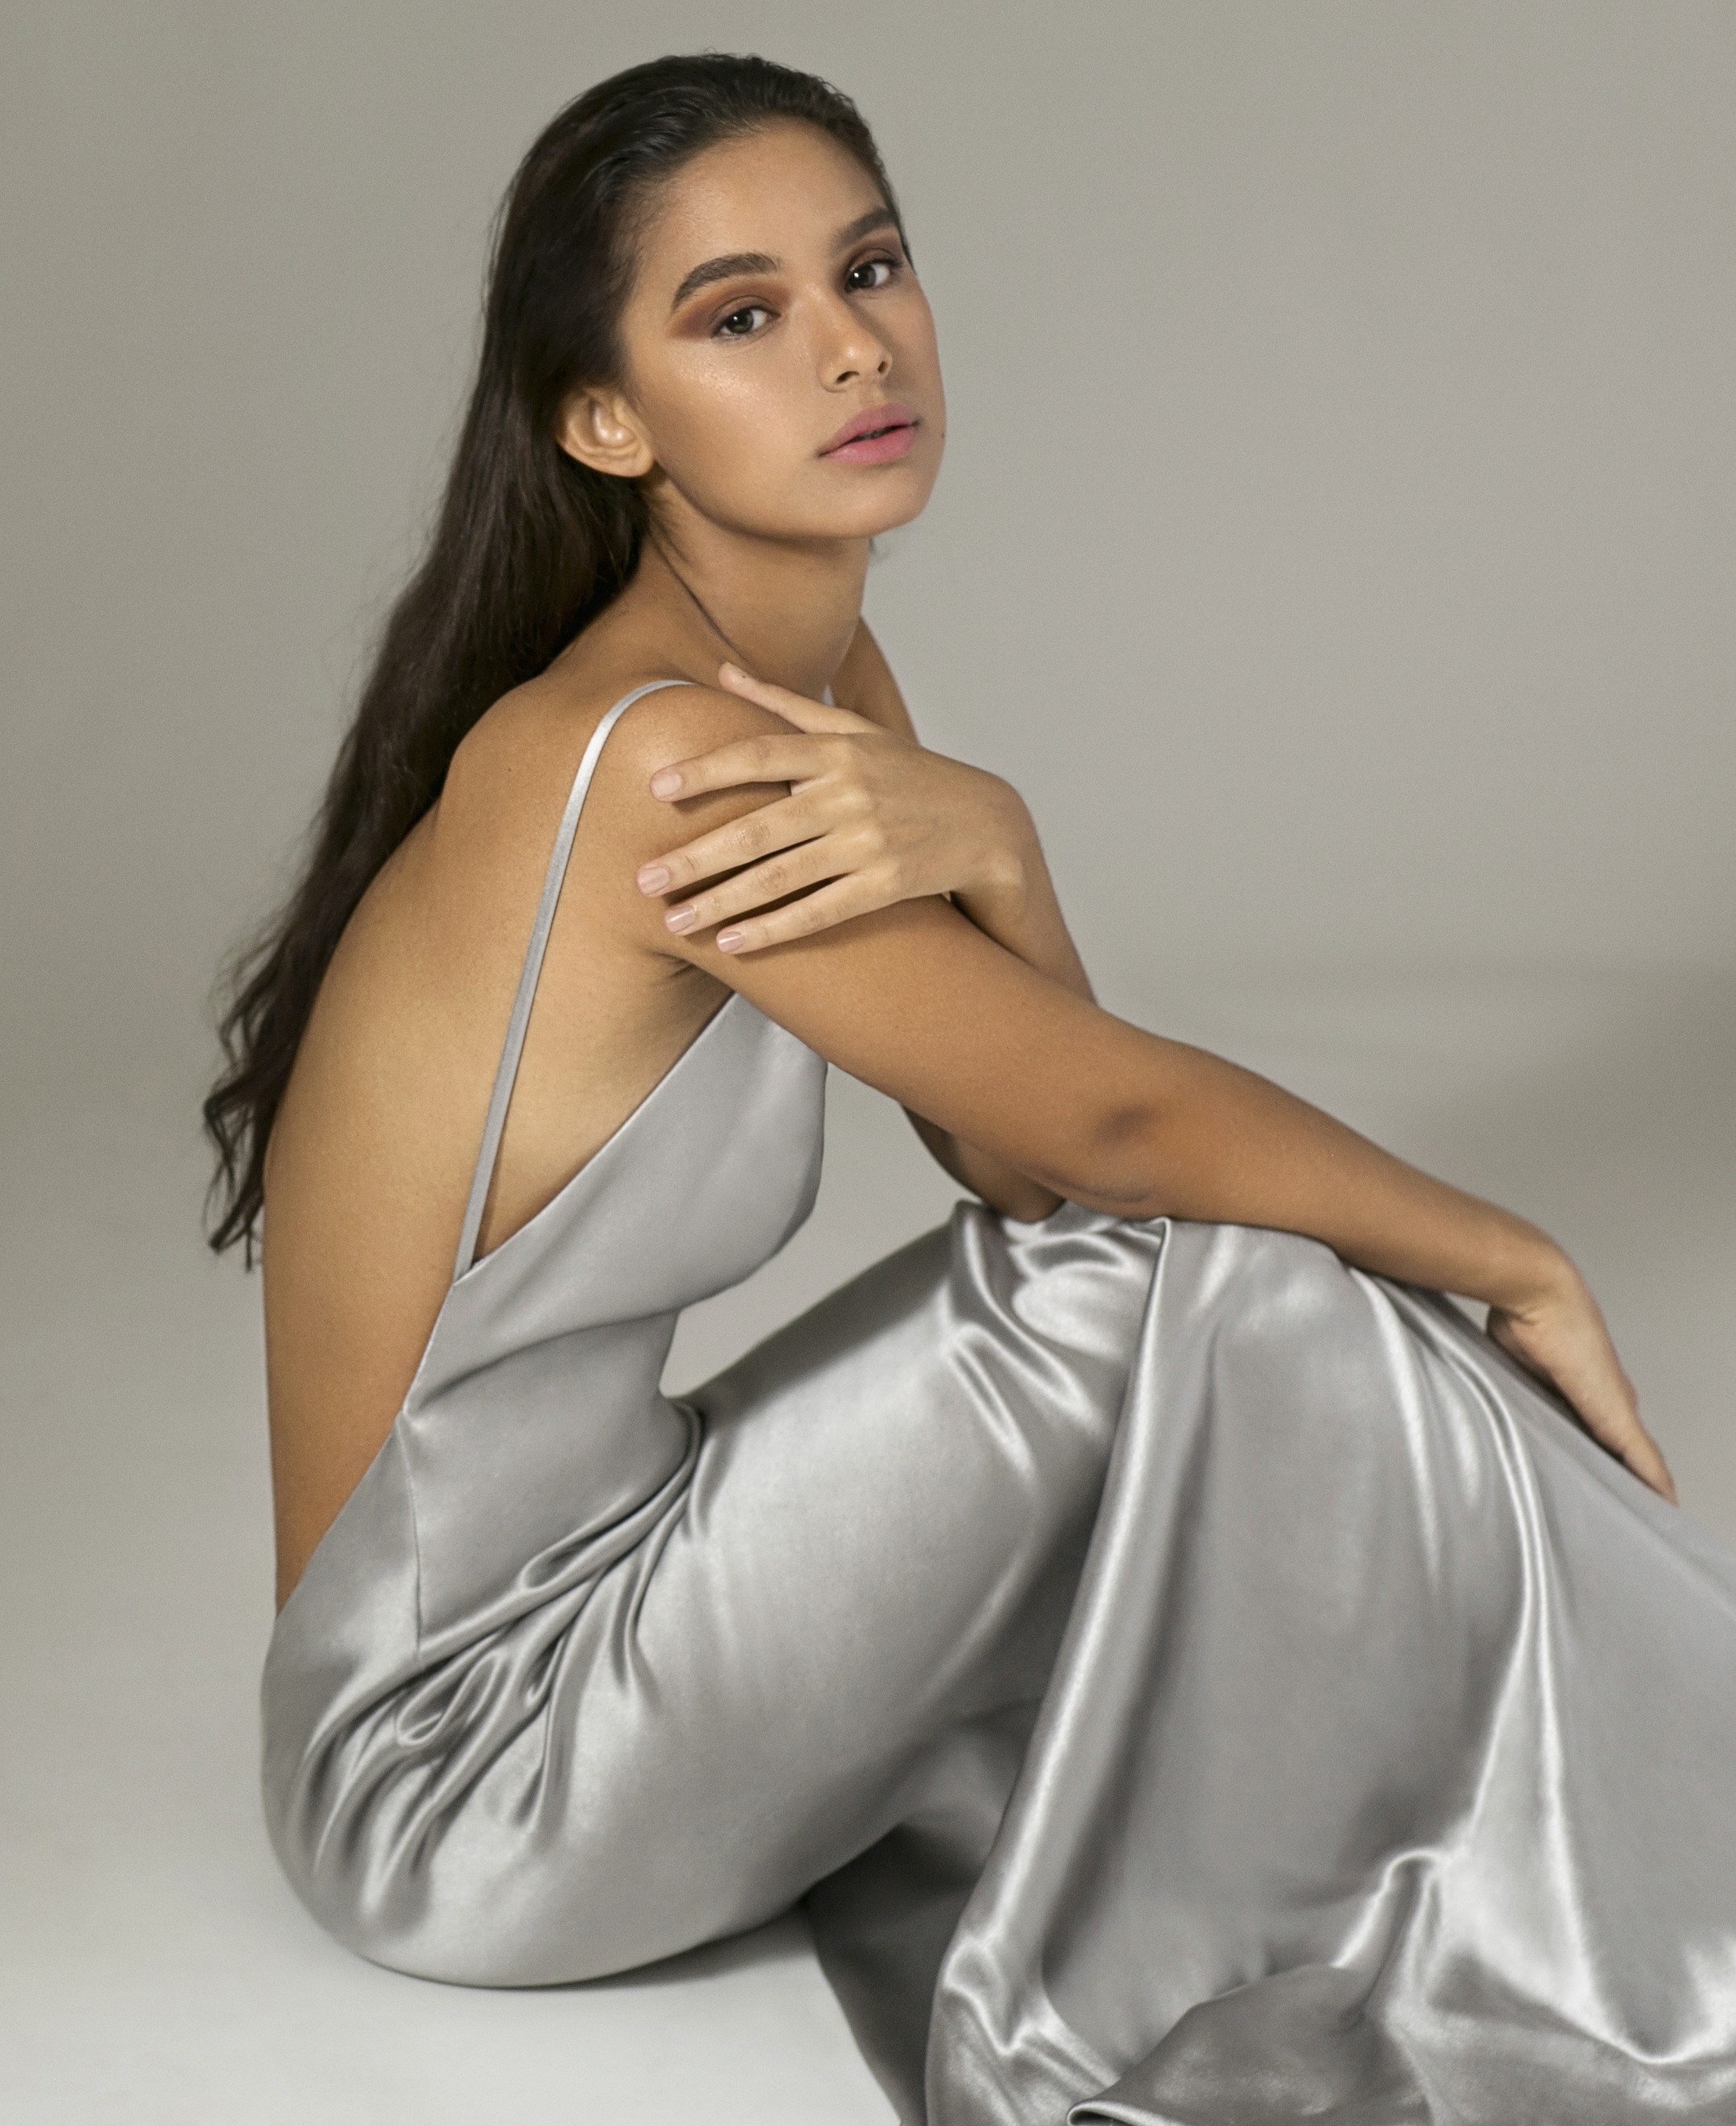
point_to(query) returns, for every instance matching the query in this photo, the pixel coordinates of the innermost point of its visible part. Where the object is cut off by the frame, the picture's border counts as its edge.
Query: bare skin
(906, 928)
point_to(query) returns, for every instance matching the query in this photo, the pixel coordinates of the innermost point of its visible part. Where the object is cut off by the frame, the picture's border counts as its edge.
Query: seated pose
(1186, 1670)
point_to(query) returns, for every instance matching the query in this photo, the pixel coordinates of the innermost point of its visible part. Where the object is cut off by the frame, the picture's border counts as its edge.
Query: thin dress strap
(501, 1097)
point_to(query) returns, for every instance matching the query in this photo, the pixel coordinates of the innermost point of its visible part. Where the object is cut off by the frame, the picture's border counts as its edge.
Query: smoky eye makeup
(722, 322)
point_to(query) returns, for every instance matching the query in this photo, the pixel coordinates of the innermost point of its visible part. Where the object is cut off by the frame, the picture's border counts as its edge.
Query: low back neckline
(548, 1213)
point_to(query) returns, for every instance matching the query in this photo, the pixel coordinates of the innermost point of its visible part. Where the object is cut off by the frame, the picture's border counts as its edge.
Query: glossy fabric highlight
(1189, 1682)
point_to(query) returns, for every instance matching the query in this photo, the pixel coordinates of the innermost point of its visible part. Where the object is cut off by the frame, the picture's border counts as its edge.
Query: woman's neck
(786, 612)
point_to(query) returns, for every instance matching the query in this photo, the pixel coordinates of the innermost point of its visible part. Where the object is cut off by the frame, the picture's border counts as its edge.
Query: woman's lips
(875, 437)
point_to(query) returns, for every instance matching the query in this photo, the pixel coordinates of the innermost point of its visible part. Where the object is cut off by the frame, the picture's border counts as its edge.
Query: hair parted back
(528, 547)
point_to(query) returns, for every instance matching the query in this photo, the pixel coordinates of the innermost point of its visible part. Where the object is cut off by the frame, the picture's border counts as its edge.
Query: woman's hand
(871, 818)
(1561, 1337)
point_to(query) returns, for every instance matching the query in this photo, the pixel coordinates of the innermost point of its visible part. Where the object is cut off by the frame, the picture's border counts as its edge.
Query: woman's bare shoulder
(511, 774)
(674, 724)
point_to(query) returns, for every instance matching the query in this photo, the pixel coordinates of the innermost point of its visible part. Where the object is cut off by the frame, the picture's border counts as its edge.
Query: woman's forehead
(779, 195)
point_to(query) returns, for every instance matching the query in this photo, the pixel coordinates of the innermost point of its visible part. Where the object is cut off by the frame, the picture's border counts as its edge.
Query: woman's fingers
(790, 870)
(1582, 1367)
(857, 804)
(1648, 1465)
(1621, 1430)
(781, 824)
(1613, 1420)
(806, 714)
(797, 756)
(1628, 1439)
(826, 906)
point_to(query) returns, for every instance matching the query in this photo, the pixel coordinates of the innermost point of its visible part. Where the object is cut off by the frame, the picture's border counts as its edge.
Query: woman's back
(373, 1149)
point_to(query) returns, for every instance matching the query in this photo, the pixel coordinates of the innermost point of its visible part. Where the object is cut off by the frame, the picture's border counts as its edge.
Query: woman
(1188, 1671)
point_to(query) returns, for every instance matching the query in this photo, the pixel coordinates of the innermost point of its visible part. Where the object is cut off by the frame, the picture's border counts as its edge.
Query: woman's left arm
(871, 818)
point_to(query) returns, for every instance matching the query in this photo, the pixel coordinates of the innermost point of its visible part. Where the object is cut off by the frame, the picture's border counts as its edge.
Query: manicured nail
(727, 940)
(666, 782)
(653, 878)
(681, 918)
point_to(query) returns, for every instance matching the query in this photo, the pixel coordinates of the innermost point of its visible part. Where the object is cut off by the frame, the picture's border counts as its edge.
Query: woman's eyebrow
(731, 262)
(724, 268)
(853, 232)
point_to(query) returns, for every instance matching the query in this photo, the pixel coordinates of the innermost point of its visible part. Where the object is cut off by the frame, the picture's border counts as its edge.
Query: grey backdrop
(1335, 544)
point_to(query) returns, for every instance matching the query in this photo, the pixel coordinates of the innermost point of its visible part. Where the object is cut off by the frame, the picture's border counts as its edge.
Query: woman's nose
(853, 351)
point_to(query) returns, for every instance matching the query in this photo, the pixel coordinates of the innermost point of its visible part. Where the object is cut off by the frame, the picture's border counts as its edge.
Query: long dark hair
(527, 547)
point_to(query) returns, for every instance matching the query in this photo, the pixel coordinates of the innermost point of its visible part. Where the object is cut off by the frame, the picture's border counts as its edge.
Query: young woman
(1188, 1671)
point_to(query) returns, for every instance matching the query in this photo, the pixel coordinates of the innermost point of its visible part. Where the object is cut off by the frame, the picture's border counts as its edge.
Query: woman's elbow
(1115, 1165)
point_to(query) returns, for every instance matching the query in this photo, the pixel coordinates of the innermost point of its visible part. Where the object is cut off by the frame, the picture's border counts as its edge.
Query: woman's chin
(879, 505)
(890, 520)
(874, 514)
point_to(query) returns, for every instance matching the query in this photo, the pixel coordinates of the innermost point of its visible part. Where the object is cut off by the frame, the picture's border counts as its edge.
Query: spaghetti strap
(517, 1026)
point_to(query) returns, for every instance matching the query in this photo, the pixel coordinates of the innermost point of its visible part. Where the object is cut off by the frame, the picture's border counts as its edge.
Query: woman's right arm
(918, 1001)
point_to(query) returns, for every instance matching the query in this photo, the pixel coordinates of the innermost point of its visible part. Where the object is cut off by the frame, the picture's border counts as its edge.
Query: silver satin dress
(1184, 1679)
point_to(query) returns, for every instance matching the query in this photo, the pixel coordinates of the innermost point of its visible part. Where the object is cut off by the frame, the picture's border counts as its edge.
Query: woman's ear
(597, 427)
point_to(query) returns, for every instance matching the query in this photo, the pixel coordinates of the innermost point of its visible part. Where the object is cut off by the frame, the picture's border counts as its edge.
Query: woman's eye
(740, 323)
(871, 273)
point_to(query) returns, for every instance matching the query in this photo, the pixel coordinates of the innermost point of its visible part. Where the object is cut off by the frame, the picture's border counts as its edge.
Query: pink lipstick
(875, 437)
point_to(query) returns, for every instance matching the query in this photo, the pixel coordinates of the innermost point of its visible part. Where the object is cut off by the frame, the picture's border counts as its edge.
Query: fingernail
(728, 670)
(680, 919)
(666, 782)
(653, 878)
(727, 940)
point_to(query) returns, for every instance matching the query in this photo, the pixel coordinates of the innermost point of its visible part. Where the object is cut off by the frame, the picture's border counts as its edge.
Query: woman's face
(781, 368)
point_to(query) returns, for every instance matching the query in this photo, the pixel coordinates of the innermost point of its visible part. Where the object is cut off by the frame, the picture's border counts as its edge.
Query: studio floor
(153, 1969)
